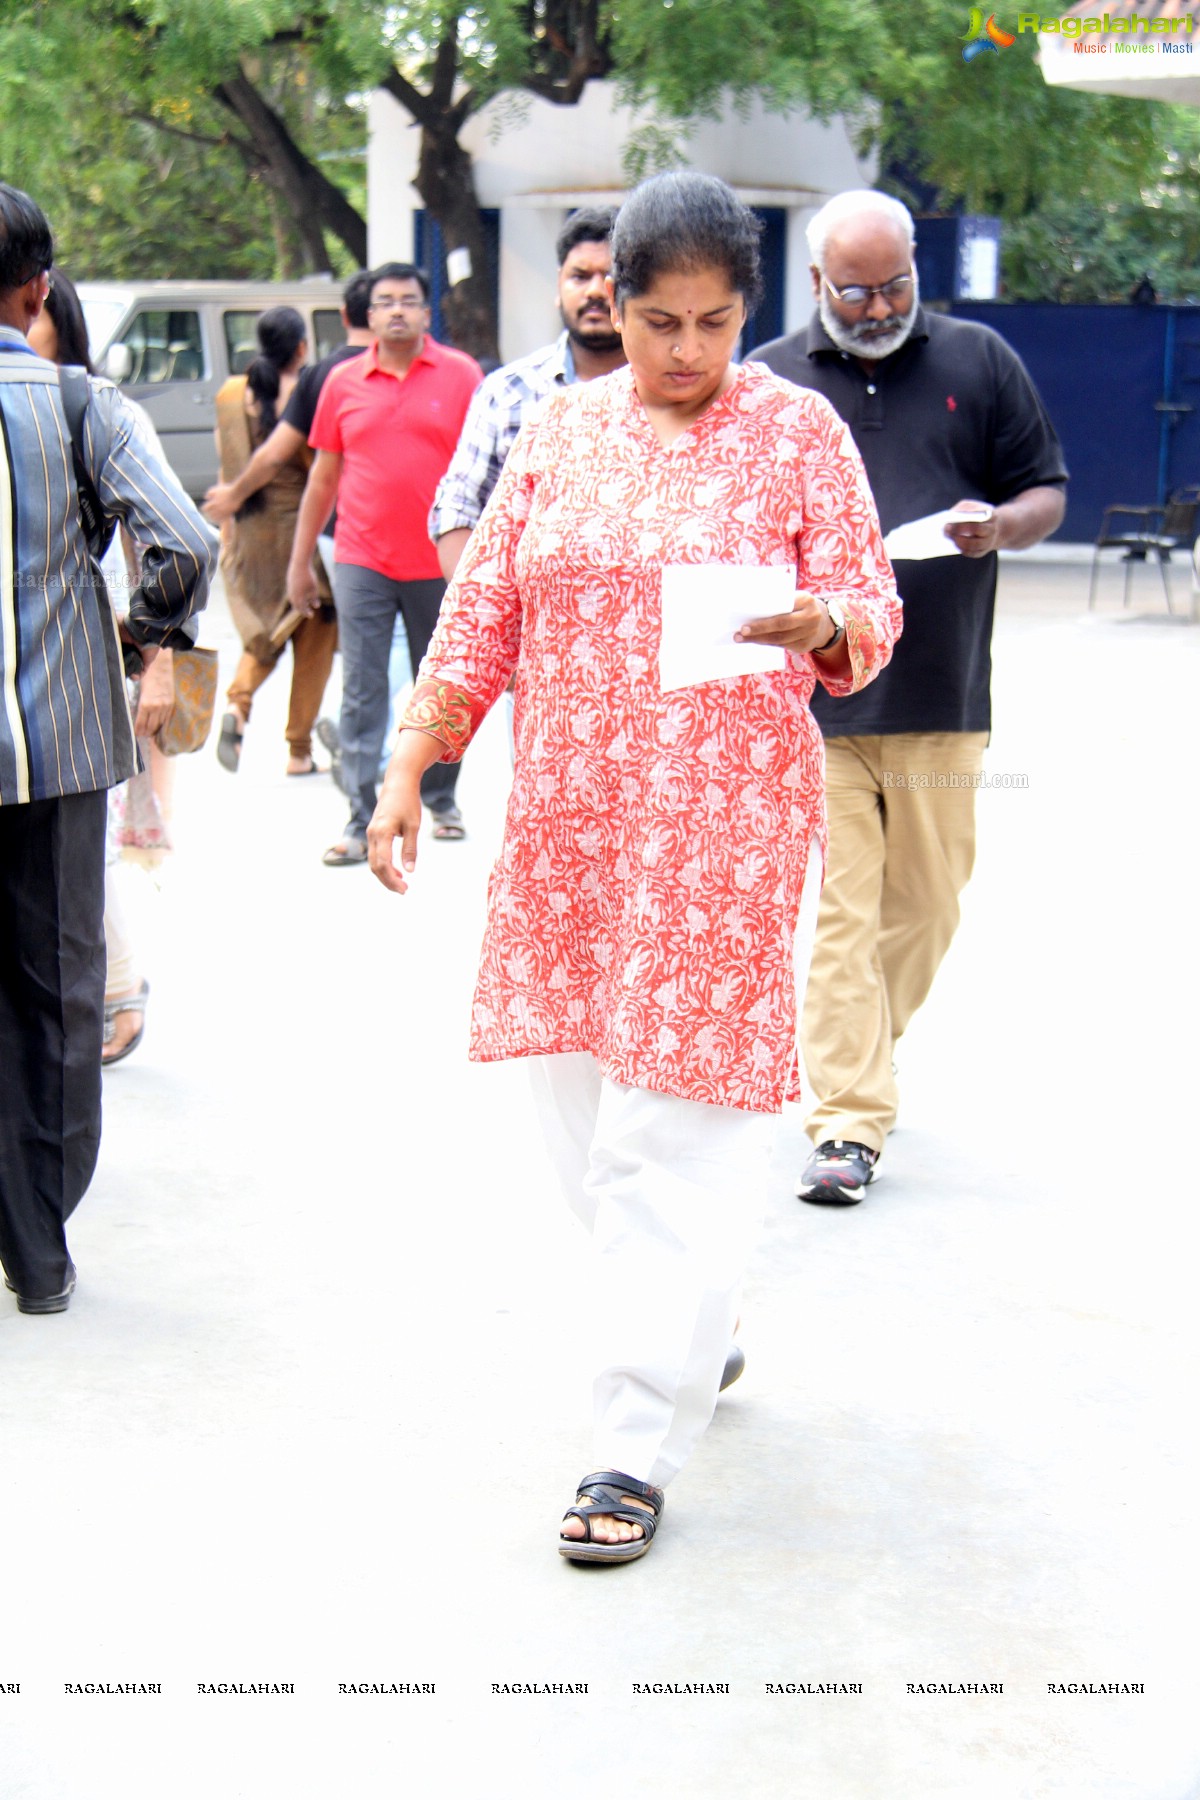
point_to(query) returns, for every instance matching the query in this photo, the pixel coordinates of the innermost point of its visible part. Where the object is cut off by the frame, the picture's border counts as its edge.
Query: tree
(278, 85)
(179, 61)
(107, 88)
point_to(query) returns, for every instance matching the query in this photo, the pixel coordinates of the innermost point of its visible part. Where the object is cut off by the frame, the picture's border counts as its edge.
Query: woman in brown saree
(257, 544)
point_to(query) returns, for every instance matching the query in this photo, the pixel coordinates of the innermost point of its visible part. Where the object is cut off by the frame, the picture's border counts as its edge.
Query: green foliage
(1098, 246)
(144, 208)
(990, 135)
(1078, 252)
(108, 111)
(109, 119)
(685, 55)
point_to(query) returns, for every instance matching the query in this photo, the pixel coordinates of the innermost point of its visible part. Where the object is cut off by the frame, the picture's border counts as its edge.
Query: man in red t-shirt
(386, 426)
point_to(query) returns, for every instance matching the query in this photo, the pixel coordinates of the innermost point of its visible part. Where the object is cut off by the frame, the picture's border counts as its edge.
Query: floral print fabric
(644, 902)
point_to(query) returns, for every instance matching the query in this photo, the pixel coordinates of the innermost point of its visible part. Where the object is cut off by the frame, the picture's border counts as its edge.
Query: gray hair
(857, 203)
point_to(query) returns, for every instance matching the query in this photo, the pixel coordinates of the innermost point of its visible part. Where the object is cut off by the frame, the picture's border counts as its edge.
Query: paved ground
(317, 1405)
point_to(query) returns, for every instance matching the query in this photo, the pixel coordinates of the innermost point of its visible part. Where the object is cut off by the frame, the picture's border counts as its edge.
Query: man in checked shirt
(587, 347)
(65, 738)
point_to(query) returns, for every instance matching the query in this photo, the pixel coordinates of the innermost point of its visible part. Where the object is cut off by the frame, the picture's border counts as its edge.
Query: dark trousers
(367, 604)
(51, 1027)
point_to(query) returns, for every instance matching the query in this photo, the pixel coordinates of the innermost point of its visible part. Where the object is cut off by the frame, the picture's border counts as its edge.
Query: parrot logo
(979, 37)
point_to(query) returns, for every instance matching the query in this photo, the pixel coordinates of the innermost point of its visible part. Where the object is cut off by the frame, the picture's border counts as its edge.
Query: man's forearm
(1029, 517)
(319, 495)
(450, 547)
(266, 462)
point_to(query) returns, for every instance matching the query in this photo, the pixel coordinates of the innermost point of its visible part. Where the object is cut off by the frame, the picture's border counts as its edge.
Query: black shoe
(735, 1362)
(47, 1303)
(838, 1173)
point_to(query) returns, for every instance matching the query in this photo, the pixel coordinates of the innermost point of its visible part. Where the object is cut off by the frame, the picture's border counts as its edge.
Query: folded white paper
(920, 539)
(703, 604)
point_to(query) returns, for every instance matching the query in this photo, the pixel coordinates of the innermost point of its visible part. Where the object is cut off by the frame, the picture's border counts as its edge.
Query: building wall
(548, 159)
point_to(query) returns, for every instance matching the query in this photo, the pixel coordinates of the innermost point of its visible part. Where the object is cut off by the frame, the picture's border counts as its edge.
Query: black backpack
(97, 527)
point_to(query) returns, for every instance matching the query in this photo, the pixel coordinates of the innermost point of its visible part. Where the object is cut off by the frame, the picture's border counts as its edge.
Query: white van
(170, 345)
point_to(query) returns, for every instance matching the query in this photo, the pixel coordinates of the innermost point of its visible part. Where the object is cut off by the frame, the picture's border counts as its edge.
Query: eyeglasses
(897, 289)
(390, 305)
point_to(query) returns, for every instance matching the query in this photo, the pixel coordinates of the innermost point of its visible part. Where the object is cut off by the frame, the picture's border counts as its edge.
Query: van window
(328, 331)
(165, 346)
(102, 318)
(241, 343)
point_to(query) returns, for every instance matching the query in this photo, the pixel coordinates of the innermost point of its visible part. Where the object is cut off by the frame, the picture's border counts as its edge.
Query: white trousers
(671, 1192)
(122, 976)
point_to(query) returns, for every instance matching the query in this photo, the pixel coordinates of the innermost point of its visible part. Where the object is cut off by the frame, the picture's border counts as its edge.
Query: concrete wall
(535, 161)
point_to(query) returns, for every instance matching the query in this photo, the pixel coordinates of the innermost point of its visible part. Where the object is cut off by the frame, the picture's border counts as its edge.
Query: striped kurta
(64, 720)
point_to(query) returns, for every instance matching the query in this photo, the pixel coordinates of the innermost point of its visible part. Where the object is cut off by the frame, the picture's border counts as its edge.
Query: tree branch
(410, 98)
(445, 64)
(462, 109)
(226, 141)
(314, 201)
(587, 58)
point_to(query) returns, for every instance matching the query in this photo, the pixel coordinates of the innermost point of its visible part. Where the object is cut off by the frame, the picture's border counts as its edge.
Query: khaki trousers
(313, 644)
(901, 850)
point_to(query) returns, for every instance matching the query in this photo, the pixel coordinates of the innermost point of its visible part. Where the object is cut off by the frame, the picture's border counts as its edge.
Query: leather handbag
(191, 717)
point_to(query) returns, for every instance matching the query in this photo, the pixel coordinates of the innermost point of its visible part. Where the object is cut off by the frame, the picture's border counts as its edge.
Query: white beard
(865, 339)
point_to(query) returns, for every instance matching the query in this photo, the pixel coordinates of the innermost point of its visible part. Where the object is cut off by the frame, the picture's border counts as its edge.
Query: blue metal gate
(430, 254)
(1122, 384)
(766, 321)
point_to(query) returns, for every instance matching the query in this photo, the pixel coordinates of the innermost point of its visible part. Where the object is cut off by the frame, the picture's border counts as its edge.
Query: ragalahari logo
(980, 37)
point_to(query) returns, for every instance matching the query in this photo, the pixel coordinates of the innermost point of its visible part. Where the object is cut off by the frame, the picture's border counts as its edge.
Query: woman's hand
(156, 694)
(803, 630)
(397, 815)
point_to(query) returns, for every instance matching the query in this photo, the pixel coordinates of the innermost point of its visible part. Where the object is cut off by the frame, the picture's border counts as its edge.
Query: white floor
(315, 1410)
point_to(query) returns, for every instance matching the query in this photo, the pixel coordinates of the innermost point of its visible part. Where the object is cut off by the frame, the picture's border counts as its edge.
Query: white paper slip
(920, 539)
(703, 604)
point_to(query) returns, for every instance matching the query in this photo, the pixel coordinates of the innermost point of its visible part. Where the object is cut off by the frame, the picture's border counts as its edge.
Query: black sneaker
(838, 1173)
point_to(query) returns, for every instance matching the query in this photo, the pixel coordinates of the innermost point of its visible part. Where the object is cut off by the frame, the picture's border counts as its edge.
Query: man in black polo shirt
(945, 417)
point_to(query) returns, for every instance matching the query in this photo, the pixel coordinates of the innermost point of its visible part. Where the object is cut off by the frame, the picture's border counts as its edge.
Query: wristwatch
(838, 618)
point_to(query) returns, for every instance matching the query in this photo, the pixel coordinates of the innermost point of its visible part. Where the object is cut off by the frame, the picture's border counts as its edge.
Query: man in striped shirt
(66, 736)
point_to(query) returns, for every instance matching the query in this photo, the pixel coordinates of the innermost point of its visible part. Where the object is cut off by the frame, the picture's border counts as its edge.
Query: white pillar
(528, 277)
(391, 164)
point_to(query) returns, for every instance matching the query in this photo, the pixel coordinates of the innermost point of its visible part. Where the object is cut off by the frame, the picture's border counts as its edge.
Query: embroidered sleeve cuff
(866, 657)
(444, 711)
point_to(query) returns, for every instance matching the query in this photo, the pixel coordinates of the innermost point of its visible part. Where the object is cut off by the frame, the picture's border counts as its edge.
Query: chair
(1155, 531)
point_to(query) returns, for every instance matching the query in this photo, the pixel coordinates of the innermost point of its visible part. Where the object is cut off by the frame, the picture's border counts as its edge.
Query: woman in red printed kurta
(642, 912)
